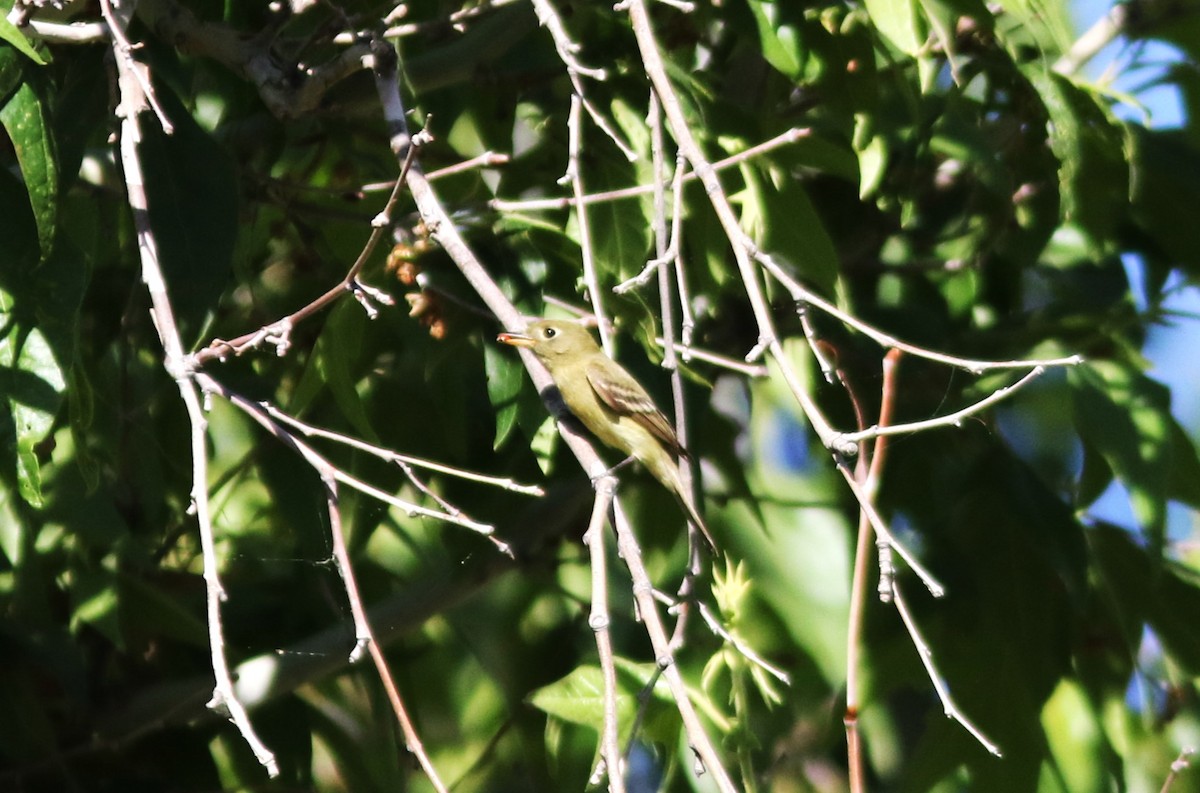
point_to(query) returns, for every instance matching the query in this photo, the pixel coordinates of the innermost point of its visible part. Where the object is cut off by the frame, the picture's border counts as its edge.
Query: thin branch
(590, 278)
(1103, 32)
(390, 456)
(455, 20)
(954, 419)
(742, 246)
(69, 32)
(643, 593)
(365, 637)
(287, 93)
(687, 322)
(539, 204)
(881, 530)
(868, 470)
(132, 83)
(599, 621)
(279, 333)
(743, 649)
(123, 50)
(1180, 764)
(549, 19)
(804, 295)
(325, 468)
(567, 49)
(671, 364)
(666, 247)
(723, 361)
(939, 685)
(488, 159)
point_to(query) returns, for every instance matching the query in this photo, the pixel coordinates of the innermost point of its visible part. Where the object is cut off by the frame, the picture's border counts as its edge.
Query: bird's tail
(694, 518)
(666, 470)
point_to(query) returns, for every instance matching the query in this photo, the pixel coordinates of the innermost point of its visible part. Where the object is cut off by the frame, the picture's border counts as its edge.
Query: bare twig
(954, 419)
(540, 204)
(287, 93)
(574, 138)
(868, 470)
(278, 333)
(455, 20)
(610, 746)
(723, 361)
(666, 249)
(643, 592)
(804, 295)
(671, 364)
(400, 459)
(743, 649)
(1181, 764)
(366, 637)
(69, 32)
(567, 49)
(488, 159)
(132, 83)
(1103, 32)
(939, 685)
(325, 468)
(549, 19)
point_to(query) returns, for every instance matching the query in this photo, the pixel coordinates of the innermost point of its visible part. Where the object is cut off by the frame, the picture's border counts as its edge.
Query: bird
(610, 403)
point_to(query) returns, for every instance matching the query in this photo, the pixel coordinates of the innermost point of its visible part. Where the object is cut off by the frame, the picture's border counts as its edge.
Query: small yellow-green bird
(610, 403)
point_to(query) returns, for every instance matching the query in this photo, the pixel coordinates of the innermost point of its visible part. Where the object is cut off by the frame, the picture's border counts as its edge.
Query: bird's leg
(612, 471)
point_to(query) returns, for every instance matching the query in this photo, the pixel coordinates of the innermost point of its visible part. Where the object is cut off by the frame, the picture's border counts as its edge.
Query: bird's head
(553, 339)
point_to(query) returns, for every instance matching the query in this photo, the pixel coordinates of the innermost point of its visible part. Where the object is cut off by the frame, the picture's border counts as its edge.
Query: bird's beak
(516, 339)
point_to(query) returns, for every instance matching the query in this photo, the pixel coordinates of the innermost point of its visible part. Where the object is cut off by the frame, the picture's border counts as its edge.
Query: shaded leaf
(26, 118)
(1165, 185)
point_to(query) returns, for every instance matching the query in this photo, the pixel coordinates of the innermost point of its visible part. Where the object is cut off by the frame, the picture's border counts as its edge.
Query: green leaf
(787, 225)
(578, 698)
(336, 356)
(1125, 416)
(12, 34)
(35, 393)
(1165, 188)
(1015, 569)
(26, 118)
(94, 602)
(1184, 484)
(1090, 146)
(504, 380)
(780, 39)
(193, 203)
(1149, 591)
(901, 22)
(12, 71)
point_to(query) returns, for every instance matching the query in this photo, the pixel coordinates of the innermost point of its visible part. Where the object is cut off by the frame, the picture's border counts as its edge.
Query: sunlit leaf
(1126, 417)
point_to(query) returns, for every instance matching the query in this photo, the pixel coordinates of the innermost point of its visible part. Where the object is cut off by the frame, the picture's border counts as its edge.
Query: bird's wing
(619, 391)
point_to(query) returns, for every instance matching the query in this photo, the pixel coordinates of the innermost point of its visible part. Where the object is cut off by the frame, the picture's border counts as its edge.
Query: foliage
(951, 187)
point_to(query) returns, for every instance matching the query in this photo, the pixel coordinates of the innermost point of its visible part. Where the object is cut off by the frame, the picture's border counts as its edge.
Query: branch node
(361, 646)
(843, 446)
(367, 296)
(756, 352)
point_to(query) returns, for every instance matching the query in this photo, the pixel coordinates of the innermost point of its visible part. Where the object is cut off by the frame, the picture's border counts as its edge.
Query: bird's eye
(549, 333)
